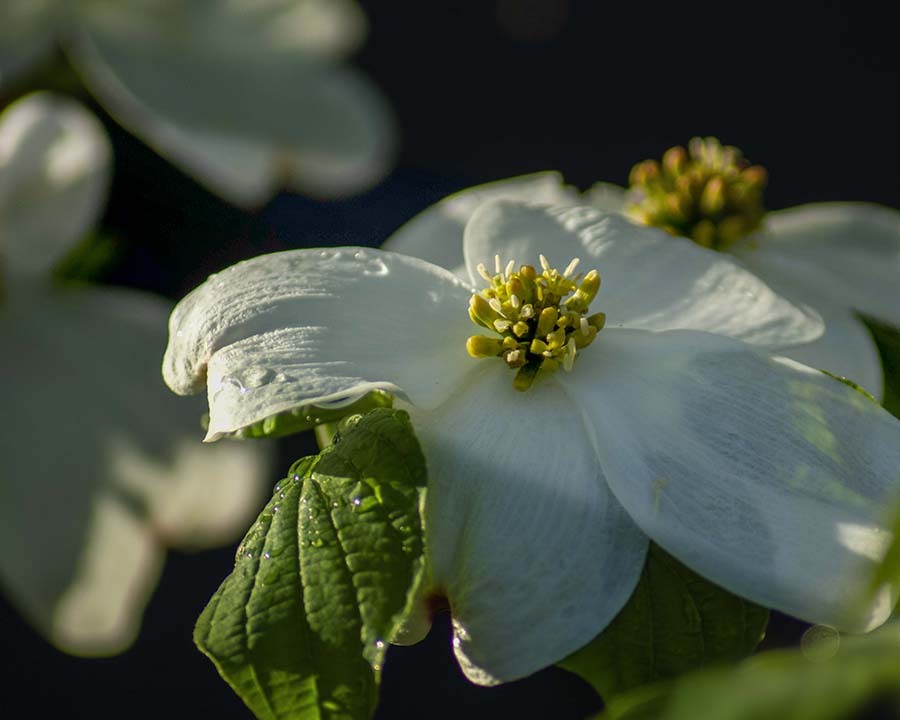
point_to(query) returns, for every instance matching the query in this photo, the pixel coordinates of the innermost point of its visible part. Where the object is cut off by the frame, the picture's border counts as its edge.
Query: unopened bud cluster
(541, 318)
(709, 193)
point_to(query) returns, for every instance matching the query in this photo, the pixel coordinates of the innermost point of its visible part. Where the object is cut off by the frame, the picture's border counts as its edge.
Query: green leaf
(89, 260)
(889, 569)
(309, 416)
(784, 684)
(887, 339)
(300, 627)
(675, 621)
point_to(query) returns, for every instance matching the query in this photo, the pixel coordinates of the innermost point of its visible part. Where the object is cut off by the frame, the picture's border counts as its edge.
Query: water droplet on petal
(257, 376)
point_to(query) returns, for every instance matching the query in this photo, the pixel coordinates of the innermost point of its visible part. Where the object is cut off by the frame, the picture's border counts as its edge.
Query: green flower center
(709, 193)
(538, 321)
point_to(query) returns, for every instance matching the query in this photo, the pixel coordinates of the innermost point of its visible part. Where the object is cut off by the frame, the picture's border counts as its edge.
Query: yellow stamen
(541, 318)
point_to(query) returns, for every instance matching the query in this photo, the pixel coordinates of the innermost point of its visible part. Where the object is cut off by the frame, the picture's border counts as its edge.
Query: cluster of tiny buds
(709, 193)
(541, 318)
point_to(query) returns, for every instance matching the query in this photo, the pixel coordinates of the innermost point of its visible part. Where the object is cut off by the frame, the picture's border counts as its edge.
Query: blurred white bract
(248, 98)
(101, 470)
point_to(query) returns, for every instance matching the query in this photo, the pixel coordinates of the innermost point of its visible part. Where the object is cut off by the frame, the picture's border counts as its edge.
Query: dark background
(486, 89)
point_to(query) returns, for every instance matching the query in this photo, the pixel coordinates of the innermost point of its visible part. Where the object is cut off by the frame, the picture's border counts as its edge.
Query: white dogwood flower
(246, 97)
(99, 472)
(573, 421)
(837, 257)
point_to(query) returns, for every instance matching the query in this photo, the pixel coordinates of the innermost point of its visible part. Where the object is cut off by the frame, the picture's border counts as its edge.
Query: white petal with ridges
(848, 252)
(605, 196)
(650, 280)
(102, 468)
(436, 234)
(318, 326)
(524, 538)
(765, 476)
(55, 168)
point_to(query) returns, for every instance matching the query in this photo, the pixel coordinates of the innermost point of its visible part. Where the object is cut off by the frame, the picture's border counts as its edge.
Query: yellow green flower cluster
(709, 193)
(541, 318)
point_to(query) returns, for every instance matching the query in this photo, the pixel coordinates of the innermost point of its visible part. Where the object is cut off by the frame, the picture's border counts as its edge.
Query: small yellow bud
(674, 160)
(547, 321)
(481, 312)
(537, 347)
(712, 200)
(644, 172)
(597, 320)
(480, 346)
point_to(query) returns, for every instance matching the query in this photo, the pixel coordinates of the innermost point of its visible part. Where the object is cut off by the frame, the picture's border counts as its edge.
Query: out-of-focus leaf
(784, 684)
(675, 622)
(887, 339)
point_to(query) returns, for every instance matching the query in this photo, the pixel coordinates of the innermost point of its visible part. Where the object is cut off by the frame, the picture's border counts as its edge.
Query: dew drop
(257, 376)
(281, 496)
(232, 381)
(249, 554)
(356, 501)
(266, 556)
(379, 644)
(274, 509)
(375, 266)
(296, 478)
(278, 489)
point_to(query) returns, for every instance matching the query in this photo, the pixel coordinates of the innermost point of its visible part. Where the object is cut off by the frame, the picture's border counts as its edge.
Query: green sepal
(674, 622)
(300, 627)
(784, 684)
(308, 417)
(887, 340)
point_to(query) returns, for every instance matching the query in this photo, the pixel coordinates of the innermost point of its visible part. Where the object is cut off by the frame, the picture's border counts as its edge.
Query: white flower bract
(249, 98)
(839, 258)
(676, 424)
(99, 471)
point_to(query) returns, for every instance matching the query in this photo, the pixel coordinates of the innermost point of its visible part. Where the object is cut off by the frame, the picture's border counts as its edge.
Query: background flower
(101, 471)
(249, 98)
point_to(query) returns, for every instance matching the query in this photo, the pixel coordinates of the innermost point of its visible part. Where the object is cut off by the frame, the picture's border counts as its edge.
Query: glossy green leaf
(308, 417)
(675, 621)
(858, 673)
(300, 627)
(887, 339)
